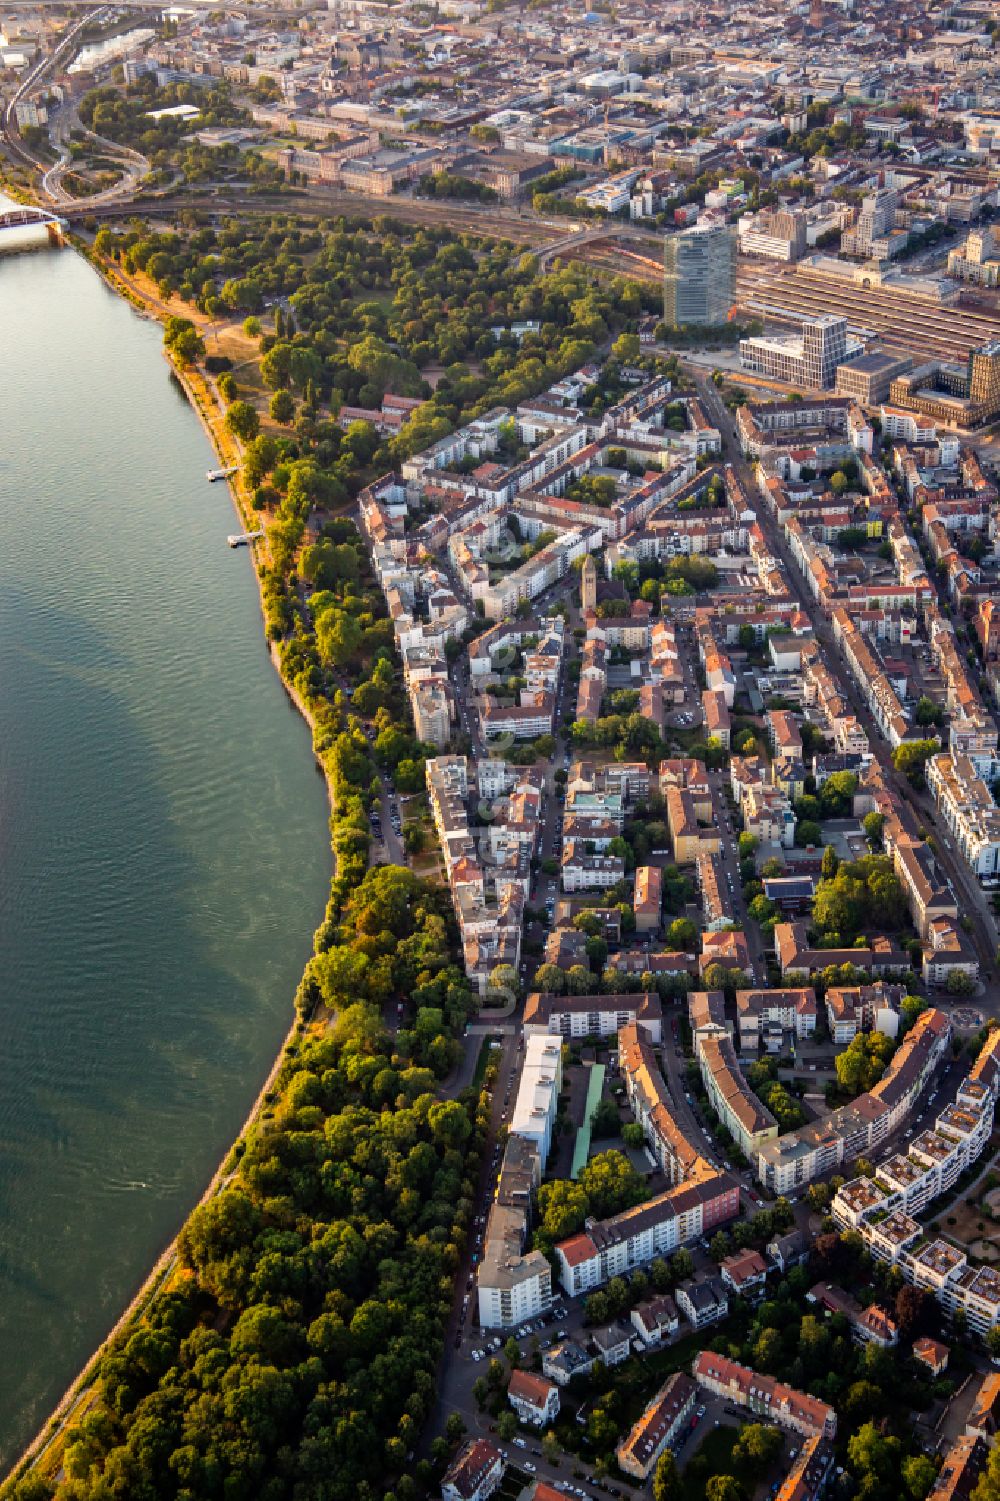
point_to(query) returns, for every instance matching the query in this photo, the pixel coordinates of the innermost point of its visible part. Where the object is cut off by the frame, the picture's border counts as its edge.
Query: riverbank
(44, 1453)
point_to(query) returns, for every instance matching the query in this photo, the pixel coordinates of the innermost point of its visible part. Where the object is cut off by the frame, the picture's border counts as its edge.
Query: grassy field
(716, 1450)
(483, 1061)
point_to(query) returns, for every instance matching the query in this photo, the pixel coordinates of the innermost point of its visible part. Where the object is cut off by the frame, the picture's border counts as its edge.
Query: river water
(164, 853)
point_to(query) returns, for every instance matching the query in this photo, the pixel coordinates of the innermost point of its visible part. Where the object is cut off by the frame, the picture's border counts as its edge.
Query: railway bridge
(26, 216)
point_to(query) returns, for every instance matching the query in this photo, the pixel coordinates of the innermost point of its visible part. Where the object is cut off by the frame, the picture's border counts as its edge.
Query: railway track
(920, 328)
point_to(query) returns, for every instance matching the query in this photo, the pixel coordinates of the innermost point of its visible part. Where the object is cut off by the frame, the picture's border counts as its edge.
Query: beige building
(648, 898)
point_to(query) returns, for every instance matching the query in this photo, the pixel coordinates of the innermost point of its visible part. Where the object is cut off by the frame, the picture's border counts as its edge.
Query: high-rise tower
(699, 281)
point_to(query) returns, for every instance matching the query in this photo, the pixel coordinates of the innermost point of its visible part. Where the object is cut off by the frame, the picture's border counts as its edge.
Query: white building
(809, 359)
(534, 1112)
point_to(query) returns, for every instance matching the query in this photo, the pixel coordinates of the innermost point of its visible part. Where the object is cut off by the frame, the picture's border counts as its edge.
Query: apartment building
(882, 1209)
(808, 360)
(778, 236)
(798, 1157)
(967, 807)
(584, 872)
(690, 840)
(433, 713)
(718, 721)
(648, 898)
(851, 1009)
(744, 1273)
(533, 577)
(655, 1320)
(513, 1285)
(534, 1112)
(612, 1247)
(703, 1301)
(575, 1016)
(768, 1014)
(961, 1468)
(810, 1471)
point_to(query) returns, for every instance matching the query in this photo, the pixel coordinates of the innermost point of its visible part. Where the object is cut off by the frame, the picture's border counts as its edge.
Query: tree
(562, 1206)
(507, 1425)
(602, 1428)
(414, 839)
(719, 1245)
(282, 406)
(862, 1063)
(911, 757)
(611, 1184)
(551, 1448)
(831, 860)
(605, 1120)
(666, 1479)
(912, 1308)
(872, 1457)
(873, 824)
(242, 421)
(758, 1445)
(807, 832)
(681, 1264)
(550, 979)
(183, 340)
(723, 1488)
(919, 1474)
(454, 1428)
(928, 712)
(682, 936)
(838, 482)
(626, 348)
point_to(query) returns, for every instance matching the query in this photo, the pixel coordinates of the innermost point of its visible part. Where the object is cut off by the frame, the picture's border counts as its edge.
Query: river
(164, 851)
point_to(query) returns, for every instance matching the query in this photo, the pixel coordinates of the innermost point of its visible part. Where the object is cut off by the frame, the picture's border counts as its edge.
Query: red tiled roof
(577, 1249)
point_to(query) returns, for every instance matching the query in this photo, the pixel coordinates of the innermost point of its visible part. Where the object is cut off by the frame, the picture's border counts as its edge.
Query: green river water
(164, 853)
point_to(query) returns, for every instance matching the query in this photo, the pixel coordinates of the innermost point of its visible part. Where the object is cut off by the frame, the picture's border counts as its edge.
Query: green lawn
(483, 1061)
(712, 1457)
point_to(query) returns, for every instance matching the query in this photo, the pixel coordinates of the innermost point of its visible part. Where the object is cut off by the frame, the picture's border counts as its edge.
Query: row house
(748, 1121)
(654, 1110)
(660, 1427)
(764, 1396)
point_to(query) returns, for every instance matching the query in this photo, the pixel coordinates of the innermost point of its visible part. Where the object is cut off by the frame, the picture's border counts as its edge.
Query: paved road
(966, 887)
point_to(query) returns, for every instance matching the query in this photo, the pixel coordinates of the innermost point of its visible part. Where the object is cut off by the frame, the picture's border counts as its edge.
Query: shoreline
(158, 1278)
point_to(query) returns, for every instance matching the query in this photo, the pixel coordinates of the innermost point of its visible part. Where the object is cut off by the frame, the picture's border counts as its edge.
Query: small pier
(243, 539)
(215, 474)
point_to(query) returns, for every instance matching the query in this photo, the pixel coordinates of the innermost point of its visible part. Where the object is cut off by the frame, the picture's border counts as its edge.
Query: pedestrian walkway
(595, 1087)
